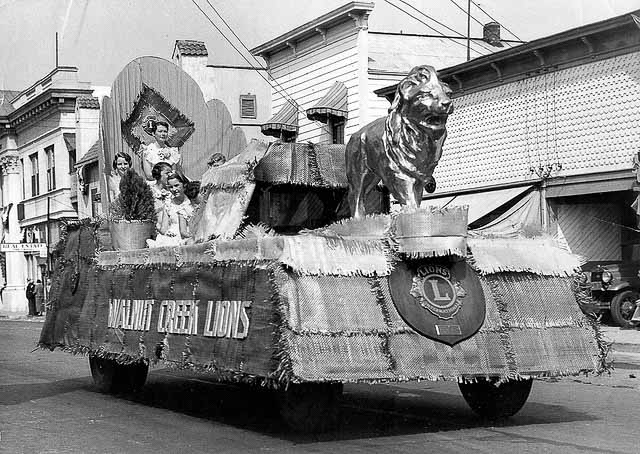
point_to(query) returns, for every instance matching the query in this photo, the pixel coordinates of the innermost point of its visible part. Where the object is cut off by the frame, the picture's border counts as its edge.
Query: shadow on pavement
(366, 411)
(19, 393)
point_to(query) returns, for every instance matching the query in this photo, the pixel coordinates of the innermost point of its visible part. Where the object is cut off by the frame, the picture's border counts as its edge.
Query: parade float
(297, 276)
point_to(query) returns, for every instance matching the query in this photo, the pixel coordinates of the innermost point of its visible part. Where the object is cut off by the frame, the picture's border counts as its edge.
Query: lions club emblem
(442, 300)
(437, 291)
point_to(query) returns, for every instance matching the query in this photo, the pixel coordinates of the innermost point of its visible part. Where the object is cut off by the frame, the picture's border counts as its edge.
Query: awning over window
(92, 155)
(334, 103)
(285, 120)
(480, 203)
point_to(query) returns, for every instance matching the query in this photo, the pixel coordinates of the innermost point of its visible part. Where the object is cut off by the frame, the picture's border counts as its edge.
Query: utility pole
(57, 50)
(468, 30)
(48, 235)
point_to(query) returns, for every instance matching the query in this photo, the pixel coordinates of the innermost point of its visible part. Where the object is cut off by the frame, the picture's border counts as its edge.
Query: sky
(101, 36)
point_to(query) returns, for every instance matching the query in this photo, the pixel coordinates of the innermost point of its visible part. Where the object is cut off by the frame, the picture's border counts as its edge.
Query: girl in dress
(121, 163)
(158, 150)
(159, 189)
(173, 219)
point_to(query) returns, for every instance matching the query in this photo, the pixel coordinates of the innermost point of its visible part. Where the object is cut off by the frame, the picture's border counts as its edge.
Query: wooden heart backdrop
(157, 85)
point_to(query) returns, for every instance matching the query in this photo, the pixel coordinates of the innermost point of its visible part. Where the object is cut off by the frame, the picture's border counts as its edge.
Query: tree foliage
(135, 201)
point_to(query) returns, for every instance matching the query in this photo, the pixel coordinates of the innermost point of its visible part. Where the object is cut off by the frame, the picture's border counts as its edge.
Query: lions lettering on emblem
(437, 291)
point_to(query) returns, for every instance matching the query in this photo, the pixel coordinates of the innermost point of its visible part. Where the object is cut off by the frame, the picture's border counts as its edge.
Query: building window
(95, 202)
(337, 131)
(23, 173)
(35, 176)
(248, 106)
(51, 168)
(72, 160)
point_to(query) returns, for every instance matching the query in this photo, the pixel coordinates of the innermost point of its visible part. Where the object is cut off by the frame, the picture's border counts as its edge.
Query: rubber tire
(111, 377)
(496, 402)
(618, 306)
(310, 407)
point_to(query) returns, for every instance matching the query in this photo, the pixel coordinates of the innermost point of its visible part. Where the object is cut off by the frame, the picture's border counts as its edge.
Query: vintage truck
(282, 288)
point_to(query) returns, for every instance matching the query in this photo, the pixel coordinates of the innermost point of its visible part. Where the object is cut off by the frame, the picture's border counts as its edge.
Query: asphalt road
(48, 405)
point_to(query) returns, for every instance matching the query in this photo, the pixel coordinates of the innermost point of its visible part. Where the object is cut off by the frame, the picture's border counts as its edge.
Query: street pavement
(48, 404)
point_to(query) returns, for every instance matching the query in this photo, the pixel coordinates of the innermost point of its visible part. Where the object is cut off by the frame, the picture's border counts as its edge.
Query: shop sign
(41, 248)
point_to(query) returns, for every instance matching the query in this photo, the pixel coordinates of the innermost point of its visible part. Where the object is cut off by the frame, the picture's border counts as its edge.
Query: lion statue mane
(403, 148)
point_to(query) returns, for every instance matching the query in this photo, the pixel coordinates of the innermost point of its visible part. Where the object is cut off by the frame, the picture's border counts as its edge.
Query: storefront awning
(285, 120)
(480, 203)
(334, 103)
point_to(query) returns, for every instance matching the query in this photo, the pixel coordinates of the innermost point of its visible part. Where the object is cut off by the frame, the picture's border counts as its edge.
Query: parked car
(615, 288)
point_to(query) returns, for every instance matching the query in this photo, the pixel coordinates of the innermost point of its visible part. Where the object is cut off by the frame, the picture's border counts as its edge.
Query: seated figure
(159, 188)
(175, 215)
(158, 150)
(121, 163)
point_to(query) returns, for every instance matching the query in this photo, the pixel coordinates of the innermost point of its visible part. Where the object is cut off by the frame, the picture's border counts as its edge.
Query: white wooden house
(324, 73)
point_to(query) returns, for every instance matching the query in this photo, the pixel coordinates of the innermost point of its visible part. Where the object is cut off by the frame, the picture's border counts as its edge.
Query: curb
(625, 360)
(22, 318)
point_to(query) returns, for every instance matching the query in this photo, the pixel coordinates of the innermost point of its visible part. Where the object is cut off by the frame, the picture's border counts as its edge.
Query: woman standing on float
(158, 150)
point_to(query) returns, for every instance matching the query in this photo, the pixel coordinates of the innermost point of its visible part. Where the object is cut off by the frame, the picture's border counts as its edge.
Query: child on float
(158, 150)
(174, 217)
(158, 186)
(121, 163)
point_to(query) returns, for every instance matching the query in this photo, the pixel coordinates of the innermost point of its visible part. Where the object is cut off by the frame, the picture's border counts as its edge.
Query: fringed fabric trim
(532, 255)
(374, 226)
(315, 255)
(435, 246)
(284, 369)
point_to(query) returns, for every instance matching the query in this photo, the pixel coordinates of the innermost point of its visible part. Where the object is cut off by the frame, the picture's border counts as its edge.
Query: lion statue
(403, 148)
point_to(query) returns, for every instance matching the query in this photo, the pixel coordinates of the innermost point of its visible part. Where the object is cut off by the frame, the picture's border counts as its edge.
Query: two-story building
(44, 129)
(243, 89)
(324, 73)
(545, 137)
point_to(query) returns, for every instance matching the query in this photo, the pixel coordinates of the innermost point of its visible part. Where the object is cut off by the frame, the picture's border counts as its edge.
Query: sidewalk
(21, 318)
(625, 350)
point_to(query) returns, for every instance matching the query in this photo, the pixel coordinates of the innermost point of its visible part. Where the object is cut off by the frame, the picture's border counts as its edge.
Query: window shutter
(248, 106)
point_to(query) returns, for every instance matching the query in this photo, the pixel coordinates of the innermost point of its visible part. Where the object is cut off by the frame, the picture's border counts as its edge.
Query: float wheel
(310, 407)
(495, 401)
(111, 377)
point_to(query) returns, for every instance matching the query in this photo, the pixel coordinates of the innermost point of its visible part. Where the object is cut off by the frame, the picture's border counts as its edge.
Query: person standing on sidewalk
(31, 297)
(39, 291)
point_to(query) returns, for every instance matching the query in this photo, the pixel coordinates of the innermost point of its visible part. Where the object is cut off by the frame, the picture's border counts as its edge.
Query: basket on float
(130, 235)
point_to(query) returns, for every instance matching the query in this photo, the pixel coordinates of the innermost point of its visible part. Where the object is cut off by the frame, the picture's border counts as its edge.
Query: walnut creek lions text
(223, 318)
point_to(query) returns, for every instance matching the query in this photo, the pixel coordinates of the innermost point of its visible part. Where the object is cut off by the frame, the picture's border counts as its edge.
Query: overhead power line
(490, 17)
(279, 89)
(487, 14)
(487, 48)
(466, 12)
(430, 27)
(245, 58)
(248, 51)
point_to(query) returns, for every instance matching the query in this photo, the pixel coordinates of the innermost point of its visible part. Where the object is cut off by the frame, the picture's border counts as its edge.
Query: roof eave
(531, 47)
(310, 27)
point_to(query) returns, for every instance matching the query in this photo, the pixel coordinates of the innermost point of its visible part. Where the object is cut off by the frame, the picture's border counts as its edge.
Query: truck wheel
(310, 407)
(623, 305)
(103, 372)
(496, 402)
(111, 377)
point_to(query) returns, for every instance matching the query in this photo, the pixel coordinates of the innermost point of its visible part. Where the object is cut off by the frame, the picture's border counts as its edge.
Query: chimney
(189, 54)
(491, 34)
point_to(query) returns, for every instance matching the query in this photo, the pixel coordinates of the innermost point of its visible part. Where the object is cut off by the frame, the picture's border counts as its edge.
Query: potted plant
(133, 217)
